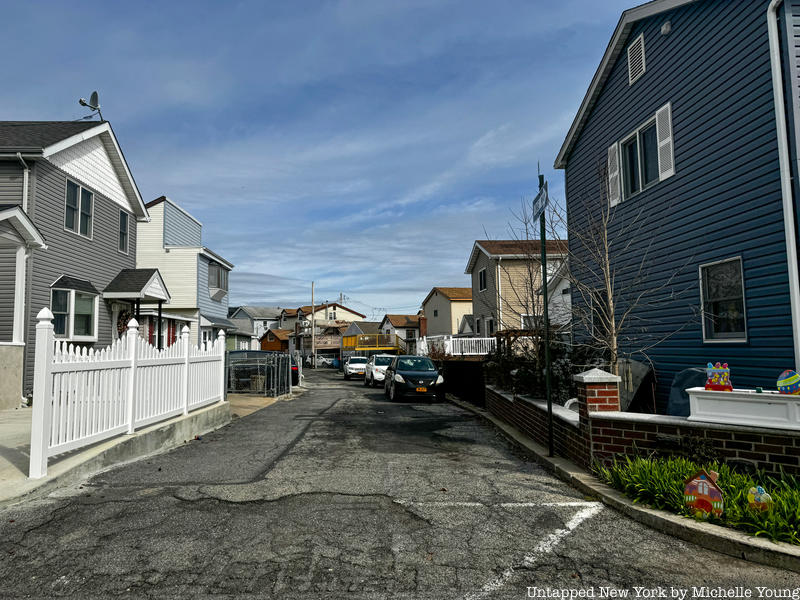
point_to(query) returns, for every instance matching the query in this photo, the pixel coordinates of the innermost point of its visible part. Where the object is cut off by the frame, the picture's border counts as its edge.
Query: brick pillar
(598, 391)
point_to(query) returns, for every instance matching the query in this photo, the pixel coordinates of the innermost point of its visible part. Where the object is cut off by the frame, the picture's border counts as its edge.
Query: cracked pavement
(341, 494)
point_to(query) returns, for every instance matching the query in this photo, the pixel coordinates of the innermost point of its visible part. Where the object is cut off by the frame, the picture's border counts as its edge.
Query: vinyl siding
(151, 235)
(178, 269)
(96, 260)
(8, 258)
(442, 324)
(484, 303)
(724, 200)
(204, 302)
(11, 182)
(179, 228)
(89, 162)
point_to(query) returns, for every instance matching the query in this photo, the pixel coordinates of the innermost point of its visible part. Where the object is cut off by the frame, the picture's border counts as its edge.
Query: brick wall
(530, 417)
(601, 431)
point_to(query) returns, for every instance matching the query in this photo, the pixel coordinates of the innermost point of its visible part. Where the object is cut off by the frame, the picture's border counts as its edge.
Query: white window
(74, 315)
(636, 63)
(490, 327)
(435, 312)
(528, 322)
(477, 325)
(78, 209)
(123, 232)
(641, 159)
(482, 280)
(722, 297)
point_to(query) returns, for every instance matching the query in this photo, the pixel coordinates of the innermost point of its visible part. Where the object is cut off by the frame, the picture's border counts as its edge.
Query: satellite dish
(93, 103)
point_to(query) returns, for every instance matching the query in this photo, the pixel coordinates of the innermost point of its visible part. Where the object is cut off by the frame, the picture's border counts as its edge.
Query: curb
(713, 537)
(115, 451)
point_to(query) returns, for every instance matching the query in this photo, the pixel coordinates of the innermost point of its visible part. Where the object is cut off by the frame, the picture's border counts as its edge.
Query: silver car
(376, 369)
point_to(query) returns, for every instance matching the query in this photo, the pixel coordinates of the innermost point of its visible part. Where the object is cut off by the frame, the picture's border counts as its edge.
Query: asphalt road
(340, 494)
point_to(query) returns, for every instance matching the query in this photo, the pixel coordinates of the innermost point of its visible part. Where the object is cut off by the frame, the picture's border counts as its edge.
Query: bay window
(74, 315)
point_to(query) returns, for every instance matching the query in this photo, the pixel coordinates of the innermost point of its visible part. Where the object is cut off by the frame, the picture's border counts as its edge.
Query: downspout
(786, 176)
(25, 174)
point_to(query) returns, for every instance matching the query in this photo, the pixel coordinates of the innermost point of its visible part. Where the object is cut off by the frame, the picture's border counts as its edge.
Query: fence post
(185, 382)
(131, 340)
(289, 372)
(221, 342)
(42, 394)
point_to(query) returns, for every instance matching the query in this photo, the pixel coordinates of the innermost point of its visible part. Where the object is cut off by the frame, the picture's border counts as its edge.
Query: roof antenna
(93, 103)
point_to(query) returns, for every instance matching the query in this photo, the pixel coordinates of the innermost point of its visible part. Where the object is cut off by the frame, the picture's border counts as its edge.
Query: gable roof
(454, 294)
(146, 284)
(615, 47)
(20, 222)
(280, 334)
(66, 282)
(467, 322)
(514, 249)
(317, 307)
(367, 327)
(45, 138)
(261, 312)
(402, 321)
(21, 136)
(243, 327)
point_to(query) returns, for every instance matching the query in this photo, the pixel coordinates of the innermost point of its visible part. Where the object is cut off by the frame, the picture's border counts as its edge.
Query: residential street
(340, 494)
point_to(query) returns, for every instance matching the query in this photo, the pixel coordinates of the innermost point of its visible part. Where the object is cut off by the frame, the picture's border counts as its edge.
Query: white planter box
(745, 407)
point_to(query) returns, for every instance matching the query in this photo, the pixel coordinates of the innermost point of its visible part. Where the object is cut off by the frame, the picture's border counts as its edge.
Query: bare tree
(616, 303)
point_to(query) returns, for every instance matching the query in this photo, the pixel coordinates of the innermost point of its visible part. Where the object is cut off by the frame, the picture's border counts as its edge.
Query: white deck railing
(82, 395)
(456, 346)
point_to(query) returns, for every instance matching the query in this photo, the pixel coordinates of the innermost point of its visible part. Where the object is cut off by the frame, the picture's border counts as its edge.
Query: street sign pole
(539, 205)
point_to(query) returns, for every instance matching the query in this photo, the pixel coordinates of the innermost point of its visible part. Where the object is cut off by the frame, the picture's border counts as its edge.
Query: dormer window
(636, 59)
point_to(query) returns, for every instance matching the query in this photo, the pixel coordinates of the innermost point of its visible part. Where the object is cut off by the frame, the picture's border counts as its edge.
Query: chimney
(423, 326)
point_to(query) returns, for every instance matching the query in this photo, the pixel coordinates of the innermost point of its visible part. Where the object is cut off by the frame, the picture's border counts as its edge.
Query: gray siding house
(71, 182)
(688, 137)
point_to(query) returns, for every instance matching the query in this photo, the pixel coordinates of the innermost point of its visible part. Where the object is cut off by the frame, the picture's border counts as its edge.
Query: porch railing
(456, 346)
(83, 395)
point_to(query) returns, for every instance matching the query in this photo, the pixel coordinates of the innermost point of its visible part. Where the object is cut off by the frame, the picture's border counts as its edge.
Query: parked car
(412, 376)
(354, 366)
(376, 369)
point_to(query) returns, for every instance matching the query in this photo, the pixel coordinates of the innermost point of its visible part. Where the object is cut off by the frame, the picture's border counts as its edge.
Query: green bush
(659, 482)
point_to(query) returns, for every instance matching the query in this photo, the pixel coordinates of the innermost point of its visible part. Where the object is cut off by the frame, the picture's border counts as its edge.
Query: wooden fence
(82, 396)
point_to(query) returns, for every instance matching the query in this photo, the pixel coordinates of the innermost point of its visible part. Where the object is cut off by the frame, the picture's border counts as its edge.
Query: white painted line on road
(455, 504)
(544, 547)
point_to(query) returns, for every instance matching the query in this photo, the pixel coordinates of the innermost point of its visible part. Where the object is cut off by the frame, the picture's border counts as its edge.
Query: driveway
(340, 494)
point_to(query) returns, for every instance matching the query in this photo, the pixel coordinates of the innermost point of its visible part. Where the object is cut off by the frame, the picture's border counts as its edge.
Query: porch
(18, 236)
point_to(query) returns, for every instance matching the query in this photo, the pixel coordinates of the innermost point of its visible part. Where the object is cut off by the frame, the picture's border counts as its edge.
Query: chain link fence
(257, 372)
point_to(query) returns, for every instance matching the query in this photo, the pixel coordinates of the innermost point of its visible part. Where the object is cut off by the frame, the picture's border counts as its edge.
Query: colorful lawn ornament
(719, 378)
(702, 494)
(758, 499)
(789, 382)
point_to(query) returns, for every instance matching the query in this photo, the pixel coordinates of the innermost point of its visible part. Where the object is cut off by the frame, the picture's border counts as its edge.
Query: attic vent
(636, 59)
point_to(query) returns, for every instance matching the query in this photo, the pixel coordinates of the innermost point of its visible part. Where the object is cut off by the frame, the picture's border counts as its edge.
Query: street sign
(540, 202)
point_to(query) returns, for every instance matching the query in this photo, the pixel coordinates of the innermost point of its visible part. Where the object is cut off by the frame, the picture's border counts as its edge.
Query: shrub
(659, 482)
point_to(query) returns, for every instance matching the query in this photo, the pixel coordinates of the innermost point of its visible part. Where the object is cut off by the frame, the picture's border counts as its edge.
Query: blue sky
(362, 145)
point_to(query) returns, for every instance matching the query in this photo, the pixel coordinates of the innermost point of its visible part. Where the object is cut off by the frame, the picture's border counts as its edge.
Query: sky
(363, 145)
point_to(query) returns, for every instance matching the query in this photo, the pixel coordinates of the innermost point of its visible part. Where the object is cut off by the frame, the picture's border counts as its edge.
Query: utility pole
(543, 241)
(313, 332)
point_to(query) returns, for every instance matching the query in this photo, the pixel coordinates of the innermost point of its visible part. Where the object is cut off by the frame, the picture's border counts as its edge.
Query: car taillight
(294, 368)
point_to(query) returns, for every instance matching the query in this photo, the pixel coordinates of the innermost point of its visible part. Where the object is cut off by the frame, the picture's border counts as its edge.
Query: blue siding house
(687, 137)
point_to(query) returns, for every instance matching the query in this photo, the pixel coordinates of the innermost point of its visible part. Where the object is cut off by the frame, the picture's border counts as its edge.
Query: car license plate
(422, 389)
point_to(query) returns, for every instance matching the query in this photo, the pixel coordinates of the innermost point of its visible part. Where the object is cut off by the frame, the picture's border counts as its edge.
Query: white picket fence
(456, 346)
(82, 396)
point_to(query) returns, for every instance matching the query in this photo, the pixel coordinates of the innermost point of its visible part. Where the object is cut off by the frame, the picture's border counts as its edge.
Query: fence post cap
(133, 324)
(45, 315)
(596, 376)
(221, 333)
(185, 330)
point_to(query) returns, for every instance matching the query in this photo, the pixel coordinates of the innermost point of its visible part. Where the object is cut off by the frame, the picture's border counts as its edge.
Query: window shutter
(636, 59)
(666, 158)
(613, 175)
